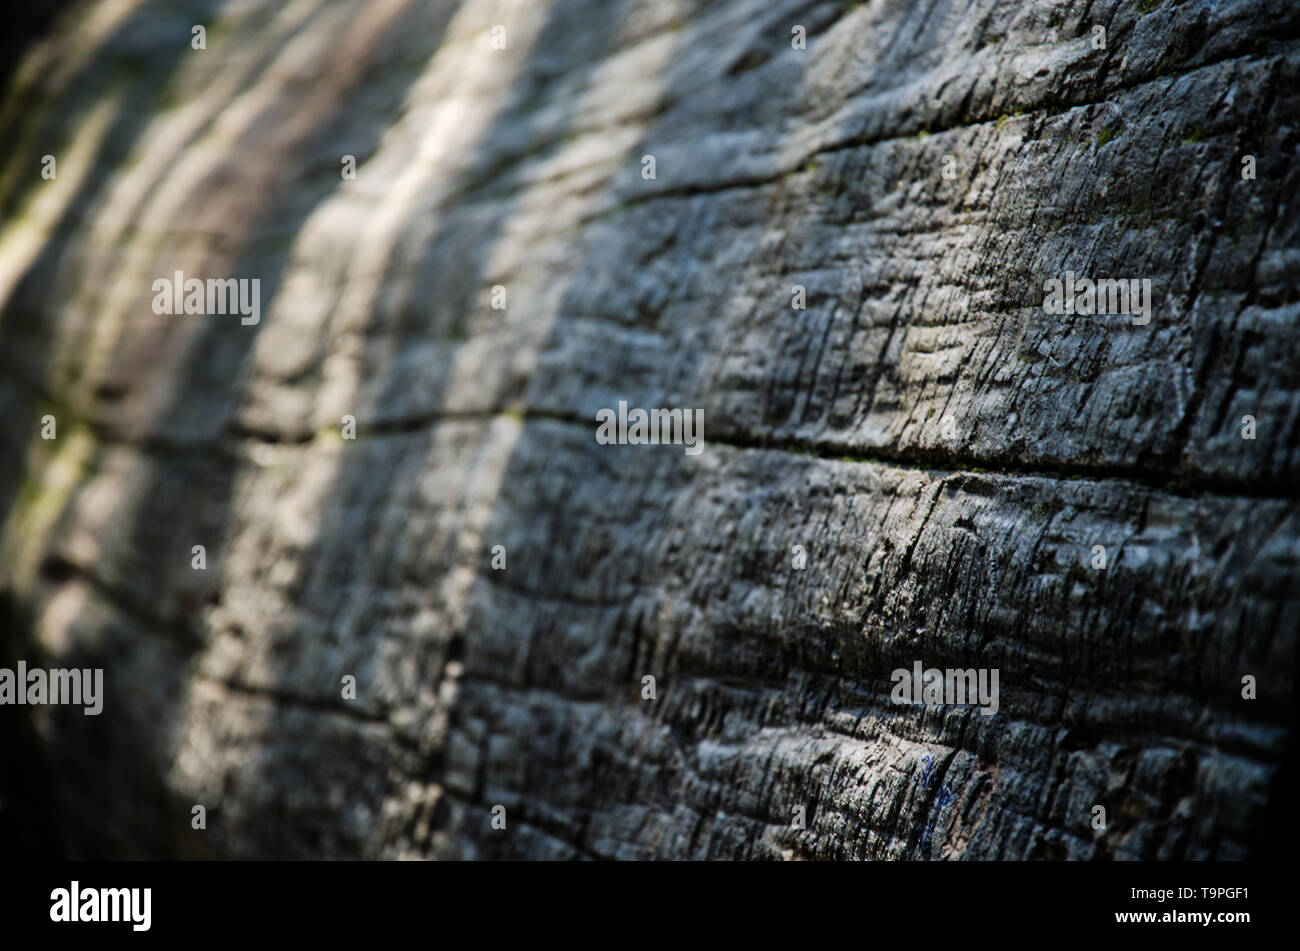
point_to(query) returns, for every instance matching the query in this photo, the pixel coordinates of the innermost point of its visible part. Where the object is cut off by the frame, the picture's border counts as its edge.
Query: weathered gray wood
(946, 453)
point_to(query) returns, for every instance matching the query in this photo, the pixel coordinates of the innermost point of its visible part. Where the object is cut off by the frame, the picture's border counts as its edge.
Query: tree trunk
(921, 465)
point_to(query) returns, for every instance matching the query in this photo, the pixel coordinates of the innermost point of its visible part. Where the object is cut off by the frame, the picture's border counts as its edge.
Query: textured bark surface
(946, 453)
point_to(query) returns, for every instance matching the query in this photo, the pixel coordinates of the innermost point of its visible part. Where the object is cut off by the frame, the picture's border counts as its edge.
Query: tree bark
(942, 454)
